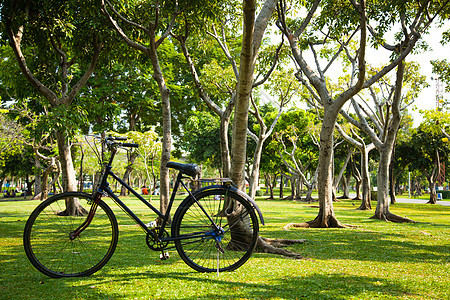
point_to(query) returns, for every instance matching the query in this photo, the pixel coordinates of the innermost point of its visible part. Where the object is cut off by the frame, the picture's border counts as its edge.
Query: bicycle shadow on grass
(315, 286)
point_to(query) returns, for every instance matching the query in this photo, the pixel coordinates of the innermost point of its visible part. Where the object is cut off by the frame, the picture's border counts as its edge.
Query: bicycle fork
(74, 234)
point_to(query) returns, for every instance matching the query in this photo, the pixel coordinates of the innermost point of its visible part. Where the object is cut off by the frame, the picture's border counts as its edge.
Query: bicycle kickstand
(164, 255)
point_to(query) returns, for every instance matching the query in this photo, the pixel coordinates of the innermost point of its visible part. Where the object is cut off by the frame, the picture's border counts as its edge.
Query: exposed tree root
(240, 235)
(308, 225)
(364, 207)
(296, 225)
(272, 246)
(392, 218)
(283, 242)
(77, 213)
(331, 222)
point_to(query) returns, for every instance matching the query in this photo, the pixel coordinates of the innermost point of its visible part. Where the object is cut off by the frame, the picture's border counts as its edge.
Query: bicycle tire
(202, 249)
(51, 251)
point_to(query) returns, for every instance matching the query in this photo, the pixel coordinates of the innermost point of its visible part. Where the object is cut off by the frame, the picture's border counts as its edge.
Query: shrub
(445, 194)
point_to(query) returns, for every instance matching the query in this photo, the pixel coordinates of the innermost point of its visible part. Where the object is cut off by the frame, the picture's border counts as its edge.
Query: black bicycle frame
(104, 186)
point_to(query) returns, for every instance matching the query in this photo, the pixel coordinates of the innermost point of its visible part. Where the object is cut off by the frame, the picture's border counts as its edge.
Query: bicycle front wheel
(222, 245)
(47, 240)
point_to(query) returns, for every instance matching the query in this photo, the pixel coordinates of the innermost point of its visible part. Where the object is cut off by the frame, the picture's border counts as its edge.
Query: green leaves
(201, 139)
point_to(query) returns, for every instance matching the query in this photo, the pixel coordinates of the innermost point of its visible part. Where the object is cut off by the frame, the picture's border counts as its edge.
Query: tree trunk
(29, 186)
(433, 194)
(272, 187)
(244, 88)
(365, 177)
(382, 211)
(254, 177)
(251, 42)
(346, 186)
(69, 182)
(432, 178)
(391, 178)
(326, 217)
(293, 194)
(224, 144)
(166, 123)
(65, 157)
(126, 174)
(37, 177)
(343, 168)
(270, 184)
(81, 174)
(298, 189)
(281, 186)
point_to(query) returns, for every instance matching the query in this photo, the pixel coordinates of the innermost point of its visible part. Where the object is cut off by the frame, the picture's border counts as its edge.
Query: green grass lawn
(374, 260)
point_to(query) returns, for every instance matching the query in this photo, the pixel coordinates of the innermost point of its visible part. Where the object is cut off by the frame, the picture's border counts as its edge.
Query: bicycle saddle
(191, 170)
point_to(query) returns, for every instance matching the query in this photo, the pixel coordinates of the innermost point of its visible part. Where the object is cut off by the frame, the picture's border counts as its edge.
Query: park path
(410, 200)
(407, 200)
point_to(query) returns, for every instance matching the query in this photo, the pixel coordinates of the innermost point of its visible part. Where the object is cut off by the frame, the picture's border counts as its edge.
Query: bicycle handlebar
(117, 138)
(111, 141)
(130, 145)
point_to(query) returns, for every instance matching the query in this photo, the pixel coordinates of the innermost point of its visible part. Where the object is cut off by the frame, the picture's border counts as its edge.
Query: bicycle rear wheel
(207, 248)
(48, 245)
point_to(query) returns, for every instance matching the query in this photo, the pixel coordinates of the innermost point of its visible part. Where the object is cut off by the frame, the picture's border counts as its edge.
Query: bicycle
(214, 229)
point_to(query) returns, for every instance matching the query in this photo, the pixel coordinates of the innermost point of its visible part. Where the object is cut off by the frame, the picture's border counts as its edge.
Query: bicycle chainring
(154, 244)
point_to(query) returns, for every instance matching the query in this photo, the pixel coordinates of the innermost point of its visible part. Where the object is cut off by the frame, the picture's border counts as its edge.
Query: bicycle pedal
(164, 256)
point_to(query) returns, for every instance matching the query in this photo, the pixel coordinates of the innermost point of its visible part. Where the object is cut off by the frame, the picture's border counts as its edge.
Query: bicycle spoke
(223, 247)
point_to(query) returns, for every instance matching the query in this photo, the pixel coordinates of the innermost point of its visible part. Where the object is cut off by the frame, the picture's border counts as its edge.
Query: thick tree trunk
(69, 183)
(251, 41)
(65, 157)
(244, 88)
(326, 217)
(382, 211)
